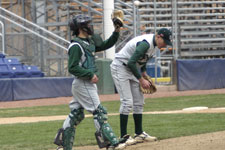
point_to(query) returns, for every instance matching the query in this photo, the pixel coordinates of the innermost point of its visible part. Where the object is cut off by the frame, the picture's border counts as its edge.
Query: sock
(123, 124)
(138, 123)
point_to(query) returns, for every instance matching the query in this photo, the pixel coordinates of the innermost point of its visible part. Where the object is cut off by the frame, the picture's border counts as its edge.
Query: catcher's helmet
(82, 22)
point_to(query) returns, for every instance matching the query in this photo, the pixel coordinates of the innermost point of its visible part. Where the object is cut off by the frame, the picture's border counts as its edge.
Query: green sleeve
(75, 54)
(143, 68)
(141, 49)
(109, 42)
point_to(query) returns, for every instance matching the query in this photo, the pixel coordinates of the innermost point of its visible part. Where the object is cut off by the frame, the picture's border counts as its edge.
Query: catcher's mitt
(117, 18)
(152, 88)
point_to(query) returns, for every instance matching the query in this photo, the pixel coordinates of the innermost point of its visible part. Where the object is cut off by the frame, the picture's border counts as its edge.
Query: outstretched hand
(117, 19)
(117, 28)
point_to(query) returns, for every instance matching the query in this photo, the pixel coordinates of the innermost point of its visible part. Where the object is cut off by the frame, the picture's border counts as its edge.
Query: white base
(195, 108)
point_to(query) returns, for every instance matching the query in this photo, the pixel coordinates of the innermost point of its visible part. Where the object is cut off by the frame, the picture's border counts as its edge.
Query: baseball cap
(166, 35)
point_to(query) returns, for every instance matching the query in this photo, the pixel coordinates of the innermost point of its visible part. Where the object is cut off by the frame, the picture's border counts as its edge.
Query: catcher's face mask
(82, 22)
(87, 27)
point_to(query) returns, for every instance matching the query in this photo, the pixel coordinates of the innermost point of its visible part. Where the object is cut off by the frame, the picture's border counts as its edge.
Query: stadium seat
(5, 71)
(2, 55)
(18, 70)
(12, 61)
(33, 71)
(2, 61)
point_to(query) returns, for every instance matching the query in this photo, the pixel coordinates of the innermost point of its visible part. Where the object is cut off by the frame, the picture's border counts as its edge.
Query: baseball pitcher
(129, 81)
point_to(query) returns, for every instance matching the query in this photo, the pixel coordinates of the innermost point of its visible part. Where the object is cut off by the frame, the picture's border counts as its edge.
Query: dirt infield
(63, 117)
(210, 141)
(65, 100)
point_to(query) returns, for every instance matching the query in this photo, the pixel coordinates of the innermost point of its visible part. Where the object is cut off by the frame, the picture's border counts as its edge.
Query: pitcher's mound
(209, 141)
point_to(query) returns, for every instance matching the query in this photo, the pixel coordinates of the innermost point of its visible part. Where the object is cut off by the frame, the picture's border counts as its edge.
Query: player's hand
(145, 75)
(94, 79)
(144, 83)
(117, 28)
(117, 19)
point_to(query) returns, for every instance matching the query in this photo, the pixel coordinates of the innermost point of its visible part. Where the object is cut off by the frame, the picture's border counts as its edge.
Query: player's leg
(90, 101)
(104, 134)
(65, 136)
(140, 135)
(138, 103)
(121, 77)
(125, 105)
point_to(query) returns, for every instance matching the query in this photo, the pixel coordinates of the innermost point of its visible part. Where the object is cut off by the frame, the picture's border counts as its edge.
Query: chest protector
(88, 53)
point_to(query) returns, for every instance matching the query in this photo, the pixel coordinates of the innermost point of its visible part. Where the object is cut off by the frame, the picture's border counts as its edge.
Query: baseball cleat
(59, 148)
(120, 146)
(128, 140)
(144, 137)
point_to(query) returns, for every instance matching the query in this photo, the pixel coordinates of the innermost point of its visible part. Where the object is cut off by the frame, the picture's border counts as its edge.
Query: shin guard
(105, 135)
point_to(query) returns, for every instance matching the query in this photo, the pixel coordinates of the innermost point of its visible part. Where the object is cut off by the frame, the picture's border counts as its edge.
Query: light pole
(108, 6)
(136, 3)
(3, 37)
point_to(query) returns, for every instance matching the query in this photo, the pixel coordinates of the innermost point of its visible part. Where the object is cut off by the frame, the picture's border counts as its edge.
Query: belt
(121, 62)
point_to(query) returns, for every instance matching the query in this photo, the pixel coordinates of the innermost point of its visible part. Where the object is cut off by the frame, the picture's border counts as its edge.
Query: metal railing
(34, 28)
(3, 36)
(196, 32)
(33, 44)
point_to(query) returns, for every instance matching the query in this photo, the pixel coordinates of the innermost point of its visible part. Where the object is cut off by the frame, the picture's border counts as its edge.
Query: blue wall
(200, 74)
(34, 88)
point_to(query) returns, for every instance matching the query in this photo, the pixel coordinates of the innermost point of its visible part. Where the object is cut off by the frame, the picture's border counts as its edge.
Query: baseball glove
(117, 18)
(152, 88)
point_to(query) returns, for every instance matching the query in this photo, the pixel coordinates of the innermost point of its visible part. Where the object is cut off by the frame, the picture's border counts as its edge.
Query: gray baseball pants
(128, 87)
(85, 96)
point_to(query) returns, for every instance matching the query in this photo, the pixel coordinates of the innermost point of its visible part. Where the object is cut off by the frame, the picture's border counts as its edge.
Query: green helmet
(82, 22)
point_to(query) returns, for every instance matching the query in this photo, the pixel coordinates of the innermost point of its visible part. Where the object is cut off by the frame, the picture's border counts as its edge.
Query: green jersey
(81, 53)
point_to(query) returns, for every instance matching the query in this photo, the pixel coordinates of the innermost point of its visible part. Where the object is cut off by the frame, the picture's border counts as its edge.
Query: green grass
(177, 103)
(36, 136)
(154, 104)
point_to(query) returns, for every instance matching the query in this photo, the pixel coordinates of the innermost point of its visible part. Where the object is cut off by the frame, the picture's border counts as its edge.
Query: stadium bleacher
(2, 55)
(18, 70)
(33, 71)
(12, 68)
(1, 61)
(11, 61)
(19, 82)
(5, 72)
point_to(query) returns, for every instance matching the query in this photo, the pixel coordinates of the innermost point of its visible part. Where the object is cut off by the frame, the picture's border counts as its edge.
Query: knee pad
(76, 116)
(100, 115)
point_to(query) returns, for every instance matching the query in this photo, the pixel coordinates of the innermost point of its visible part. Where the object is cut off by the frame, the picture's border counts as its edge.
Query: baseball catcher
(81, 65)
